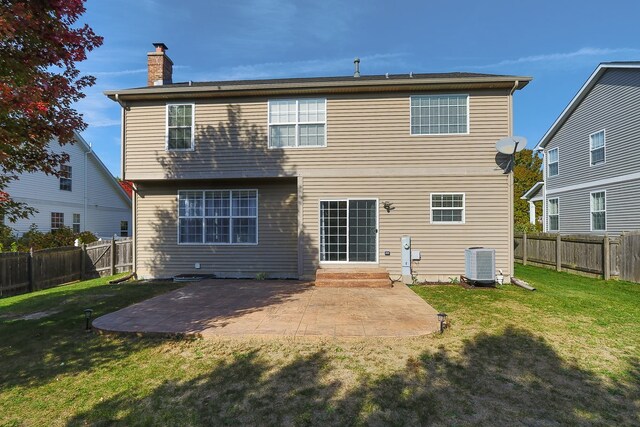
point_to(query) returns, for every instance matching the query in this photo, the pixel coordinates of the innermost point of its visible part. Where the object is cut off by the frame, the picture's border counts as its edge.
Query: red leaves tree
(40, 45)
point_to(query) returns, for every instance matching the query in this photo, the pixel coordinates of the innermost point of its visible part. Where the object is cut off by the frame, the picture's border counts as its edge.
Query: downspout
(122, 128)
(134, 193)
(510, 185)
(84, 221)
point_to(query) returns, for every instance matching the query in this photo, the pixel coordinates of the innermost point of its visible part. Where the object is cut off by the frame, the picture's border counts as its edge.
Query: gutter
(339, 86)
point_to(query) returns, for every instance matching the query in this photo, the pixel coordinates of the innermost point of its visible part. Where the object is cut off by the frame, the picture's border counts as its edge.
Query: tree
(527, 171)
(39, 82)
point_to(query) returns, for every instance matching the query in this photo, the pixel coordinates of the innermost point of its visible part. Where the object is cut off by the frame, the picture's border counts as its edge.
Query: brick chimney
(160, 67)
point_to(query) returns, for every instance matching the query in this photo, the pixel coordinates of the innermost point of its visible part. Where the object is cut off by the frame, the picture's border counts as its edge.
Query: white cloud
(565, 56)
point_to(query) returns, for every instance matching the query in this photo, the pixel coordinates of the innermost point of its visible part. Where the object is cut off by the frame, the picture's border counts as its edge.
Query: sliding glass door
(349, 230)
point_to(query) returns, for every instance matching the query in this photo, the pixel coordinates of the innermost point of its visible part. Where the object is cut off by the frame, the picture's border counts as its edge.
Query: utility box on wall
(406, 259)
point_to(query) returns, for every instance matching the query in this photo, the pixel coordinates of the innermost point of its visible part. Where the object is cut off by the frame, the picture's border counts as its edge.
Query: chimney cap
(160, 47)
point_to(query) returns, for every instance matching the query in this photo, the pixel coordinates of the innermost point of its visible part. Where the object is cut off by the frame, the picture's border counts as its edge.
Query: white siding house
(90, 199)
(591, 160)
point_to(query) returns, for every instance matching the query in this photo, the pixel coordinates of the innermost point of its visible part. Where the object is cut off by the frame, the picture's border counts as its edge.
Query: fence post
(524, 248)
(83, 267)
(558, 252)
(113, 255)
(32, 284)
(606, 258)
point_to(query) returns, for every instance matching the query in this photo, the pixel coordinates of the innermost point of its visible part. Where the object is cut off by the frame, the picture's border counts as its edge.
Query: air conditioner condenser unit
(480, 265)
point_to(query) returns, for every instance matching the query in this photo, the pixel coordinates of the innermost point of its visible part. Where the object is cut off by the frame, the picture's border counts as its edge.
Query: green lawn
(566, 354)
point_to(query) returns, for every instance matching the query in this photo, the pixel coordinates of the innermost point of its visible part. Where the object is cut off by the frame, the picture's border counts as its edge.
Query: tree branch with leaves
(40, 44)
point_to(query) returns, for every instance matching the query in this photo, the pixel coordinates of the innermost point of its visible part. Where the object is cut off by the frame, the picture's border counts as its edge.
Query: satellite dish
(511, 144)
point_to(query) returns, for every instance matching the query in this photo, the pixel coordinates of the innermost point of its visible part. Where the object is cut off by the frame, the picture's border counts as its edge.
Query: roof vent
(356, 63)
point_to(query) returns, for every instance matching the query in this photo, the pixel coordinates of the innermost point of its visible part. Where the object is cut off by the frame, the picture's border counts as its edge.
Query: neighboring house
(86, 198)
(591, 161)
(285, 176)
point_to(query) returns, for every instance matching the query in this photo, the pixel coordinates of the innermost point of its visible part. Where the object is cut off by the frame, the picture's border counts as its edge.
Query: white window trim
(296, 124)
(556, 162)
(74, 223)
(51, 221)
(604, 148)
(377, 261)
(440, 134)
(70, 179)
(464, 209)
(557, 199)
(606, 217)
(230, 190)
(193, 127)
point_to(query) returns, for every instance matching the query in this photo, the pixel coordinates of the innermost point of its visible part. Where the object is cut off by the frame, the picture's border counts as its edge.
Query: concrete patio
(276, 308)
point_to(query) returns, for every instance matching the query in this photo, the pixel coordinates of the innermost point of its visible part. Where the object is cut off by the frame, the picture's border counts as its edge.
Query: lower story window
(553, 210)
(218, 217)
(447, 208)
(598, 211)
(57, 220)
(76, 223)
(124, 228)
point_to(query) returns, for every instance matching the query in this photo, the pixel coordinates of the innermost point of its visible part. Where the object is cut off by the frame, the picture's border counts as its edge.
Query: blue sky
(559, 43)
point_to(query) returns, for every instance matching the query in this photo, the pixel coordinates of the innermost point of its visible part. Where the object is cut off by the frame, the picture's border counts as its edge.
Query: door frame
(347, 199)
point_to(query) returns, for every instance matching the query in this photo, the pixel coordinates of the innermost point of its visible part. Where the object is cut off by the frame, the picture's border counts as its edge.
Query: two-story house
(285, 176)
(591, 168)
(86, 197)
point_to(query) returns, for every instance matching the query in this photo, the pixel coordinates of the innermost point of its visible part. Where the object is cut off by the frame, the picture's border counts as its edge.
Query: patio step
(353, 278)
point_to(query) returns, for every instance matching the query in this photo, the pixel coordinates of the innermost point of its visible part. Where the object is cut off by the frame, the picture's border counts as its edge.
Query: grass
(564, 354)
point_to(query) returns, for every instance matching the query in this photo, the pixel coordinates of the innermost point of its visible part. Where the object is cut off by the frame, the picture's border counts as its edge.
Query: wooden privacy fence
(22, 272)
(605, 256)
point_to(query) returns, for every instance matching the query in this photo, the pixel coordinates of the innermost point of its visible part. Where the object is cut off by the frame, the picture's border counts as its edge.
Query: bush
(87, 237)
(37, 240)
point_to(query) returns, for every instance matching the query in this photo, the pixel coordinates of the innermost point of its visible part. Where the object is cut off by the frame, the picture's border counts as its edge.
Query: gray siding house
(591, 157)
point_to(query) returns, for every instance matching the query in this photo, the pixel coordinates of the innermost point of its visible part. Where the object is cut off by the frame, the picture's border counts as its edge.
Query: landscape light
(442, 318)
(87, 316)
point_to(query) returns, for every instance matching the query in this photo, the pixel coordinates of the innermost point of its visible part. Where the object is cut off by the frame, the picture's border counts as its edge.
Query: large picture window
(598, 211)
(180, 123)
(297, 123)
(447, 208)
(553, 214)
(218, 217)
(553, 160)
(439, 114)
(597, 145)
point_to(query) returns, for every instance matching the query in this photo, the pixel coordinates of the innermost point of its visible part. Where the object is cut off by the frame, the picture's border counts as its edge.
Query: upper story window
(57, 220)
(447, 208)
(180, 124)
(597, 145)
(439, 114)
(553, 158)
(553, 214)
(65, 177)
(297, 123)
(218, 217)
(598, 210)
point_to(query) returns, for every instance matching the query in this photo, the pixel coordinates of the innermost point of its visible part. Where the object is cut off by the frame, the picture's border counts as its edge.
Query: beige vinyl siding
(487, 220)
(159, 255)
(362, 131)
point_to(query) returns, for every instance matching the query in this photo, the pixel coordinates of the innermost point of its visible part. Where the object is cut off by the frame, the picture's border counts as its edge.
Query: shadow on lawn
(35, 351)
(510, 378)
